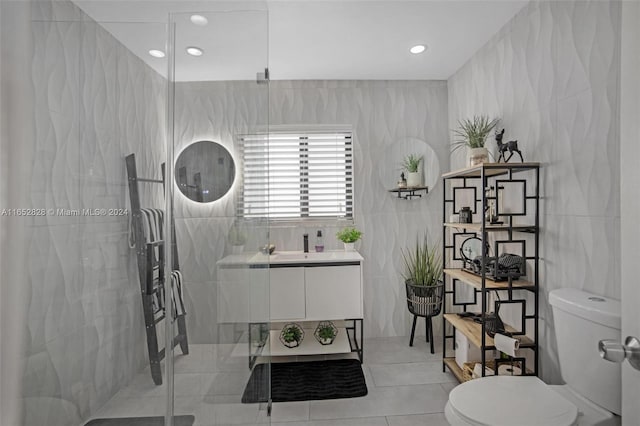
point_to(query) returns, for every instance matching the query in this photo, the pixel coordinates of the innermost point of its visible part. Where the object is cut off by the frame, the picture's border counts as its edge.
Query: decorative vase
(414, 179)
(237, 249)
(349, 246)
(478, 156)
(324, 325)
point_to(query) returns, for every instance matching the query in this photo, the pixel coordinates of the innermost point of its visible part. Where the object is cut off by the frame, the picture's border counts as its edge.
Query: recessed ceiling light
(194, 51)
(156, 53)
(199, 20)
(419, 48)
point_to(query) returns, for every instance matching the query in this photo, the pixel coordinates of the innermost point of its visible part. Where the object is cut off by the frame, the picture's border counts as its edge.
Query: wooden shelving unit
(517, 228)
(473, 331)
(490, 170)
(477, 227)
(476, 281)
(451, 364)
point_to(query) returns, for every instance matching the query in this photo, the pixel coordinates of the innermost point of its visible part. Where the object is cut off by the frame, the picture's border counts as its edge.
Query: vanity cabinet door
(233, 295)
(333, 292)
(242, 295)
(286, 293)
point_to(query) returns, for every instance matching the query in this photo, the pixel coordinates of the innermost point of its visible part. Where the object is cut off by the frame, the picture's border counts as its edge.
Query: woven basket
(424, 301)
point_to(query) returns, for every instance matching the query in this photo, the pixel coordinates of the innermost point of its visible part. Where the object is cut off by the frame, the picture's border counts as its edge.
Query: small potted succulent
(411, 164)
(292, 335)
(349, 236)
(473, 133)
(325, 332)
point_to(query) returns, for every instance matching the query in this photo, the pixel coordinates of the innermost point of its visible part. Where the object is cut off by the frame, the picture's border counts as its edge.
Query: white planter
(414, 179)
(349, 246)
(478, 156)
(237, 249)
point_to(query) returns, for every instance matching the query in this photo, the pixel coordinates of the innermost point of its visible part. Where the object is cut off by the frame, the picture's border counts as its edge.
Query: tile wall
(92, 102)
(552, 76)
(384, 115)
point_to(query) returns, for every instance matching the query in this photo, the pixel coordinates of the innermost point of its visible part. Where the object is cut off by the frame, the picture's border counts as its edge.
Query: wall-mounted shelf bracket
(411, 192)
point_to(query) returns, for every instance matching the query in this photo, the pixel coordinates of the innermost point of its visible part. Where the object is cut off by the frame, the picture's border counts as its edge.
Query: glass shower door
(218, 94)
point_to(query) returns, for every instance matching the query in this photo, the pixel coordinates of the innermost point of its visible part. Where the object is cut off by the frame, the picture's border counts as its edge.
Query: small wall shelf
(410, 192)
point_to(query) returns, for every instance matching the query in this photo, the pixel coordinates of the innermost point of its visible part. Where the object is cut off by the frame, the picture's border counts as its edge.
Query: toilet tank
(581, 320)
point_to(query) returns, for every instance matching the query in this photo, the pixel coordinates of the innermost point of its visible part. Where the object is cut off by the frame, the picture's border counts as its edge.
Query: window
(297, 176)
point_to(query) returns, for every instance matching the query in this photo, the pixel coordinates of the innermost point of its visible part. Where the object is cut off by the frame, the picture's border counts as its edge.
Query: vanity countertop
(291, 258)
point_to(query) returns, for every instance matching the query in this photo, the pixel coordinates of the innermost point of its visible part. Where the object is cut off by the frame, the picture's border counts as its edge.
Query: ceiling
(306, 39)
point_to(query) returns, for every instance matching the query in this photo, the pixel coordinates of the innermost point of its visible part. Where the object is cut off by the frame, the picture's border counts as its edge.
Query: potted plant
(237, 238)
(325, 332)
(412, 165)
(291, 335)
(423, 284)
(473, 133)
(349, 236)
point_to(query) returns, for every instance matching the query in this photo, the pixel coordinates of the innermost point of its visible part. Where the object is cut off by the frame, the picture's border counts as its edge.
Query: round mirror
(204, 171)
(471, 248)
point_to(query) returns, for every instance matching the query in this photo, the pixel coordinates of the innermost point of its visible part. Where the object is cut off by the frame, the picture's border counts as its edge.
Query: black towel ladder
(151, 284)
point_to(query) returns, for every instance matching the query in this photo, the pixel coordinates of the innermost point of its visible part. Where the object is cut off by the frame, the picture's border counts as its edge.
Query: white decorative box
(465, 351)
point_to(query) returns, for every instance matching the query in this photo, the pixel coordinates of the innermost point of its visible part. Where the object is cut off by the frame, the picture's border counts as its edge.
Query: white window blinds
(297, 176)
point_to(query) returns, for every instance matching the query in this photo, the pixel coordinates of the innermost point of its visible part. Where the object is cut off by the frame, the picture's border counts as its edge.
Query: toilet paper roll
(506, 344)
(508, 370)
(477, 371)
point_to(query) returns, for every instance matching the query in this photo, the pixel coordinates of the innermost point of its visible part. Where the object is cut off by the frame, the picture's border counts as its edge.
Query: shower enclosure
(220, 92)
(78, 96)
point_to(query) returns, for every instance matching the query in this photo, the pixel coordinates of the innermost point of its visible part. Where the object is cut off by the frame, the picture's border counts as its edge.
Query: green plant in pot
(411, 164)
(291, 335)
(349, 236)
(423, 283)
(325, 332)
(472, 133)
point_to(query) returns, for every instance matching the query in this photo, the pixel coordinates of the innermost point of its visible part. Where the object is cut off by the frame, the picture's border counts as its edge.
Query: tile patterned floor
(406, 387)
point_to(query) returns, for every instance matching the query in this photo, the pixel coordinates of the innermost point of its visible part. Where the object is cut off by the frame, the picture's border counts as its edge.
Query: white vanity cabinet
(315, 293)
(287, 293)
(242, 294)
(301, 287)
(333, 292)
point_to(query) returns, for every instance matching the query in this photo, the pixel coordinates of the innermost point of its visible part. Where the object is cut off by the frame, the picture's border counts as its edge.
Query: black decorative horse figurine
(511, 146)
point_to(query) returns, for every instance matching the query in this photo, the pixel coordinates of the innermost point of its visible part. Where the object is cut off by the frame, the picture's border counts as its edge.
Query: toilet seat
(510, 400)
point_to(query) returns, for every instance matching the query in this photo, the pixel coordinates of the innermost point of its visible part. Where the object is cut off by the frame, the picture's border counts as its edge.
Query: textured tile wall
(95, 102)
(386, 116)
(551, 74)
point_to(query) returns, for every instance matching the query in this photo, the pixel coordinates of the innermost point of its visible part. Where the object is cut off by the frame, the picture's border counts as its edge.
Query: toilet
(592, 394)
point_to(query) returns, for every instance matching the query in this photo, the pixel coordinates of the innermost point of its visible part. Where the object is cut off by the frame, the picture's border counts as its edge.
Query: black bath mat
(307, 381)
(142, 421)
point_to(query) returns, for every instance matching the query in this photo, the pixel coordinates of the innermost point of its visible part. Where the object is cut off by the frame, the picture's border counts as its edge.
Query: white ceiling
(306, 39)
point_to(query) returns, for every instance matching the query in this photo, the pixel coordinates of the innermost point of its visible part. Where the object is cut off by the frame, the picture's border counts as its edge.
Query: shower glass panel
(80, 99)
(219, 93)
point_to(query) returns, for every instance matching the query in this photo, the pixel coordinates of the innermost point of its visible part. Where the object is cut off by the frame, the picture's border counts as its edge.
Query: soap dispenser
(319, 242)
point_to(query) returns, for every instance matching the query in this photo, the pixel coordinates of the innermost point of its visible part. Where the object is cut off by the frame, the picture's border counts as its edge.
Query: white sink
(300, 256)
